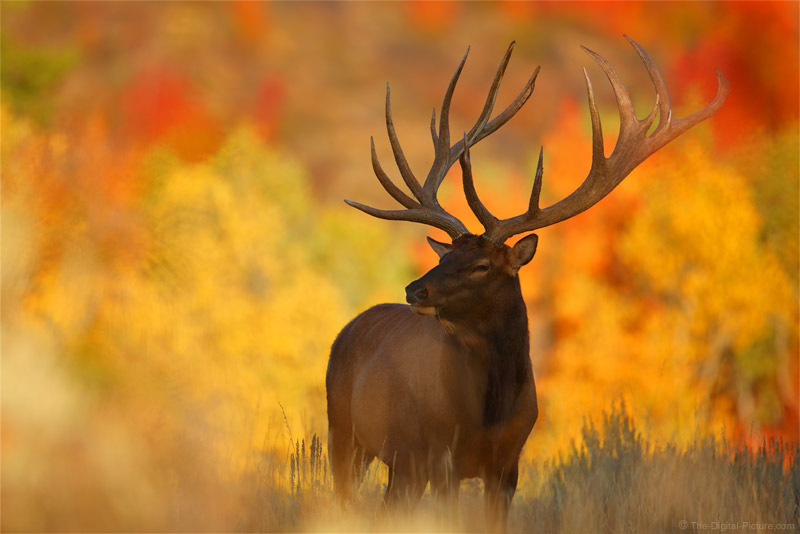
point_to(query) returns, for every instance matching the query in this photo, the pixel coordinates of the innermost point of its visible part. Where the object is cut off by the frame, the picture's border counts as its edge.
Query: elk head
(474, 269)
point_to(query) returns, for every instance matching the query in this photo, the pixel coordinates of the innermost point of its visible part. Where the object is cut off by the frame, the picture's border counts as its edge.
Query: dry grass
(614, 480)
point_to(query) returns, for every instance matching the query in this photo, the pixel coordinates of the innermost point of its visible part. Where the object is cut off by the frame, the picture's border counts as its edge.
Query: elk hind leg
(499, 489)
(349, 462)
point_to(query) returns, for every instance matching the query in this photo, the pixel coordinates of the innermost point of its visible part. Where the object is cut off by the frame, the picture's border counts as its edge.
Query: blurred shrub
(615, 479)
(723, 298)
(158, 322)
(693, 311)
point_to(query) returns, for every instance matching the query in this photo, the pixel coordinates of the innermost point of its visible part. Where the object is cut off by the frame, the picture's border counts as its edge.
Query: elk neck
(496, 337)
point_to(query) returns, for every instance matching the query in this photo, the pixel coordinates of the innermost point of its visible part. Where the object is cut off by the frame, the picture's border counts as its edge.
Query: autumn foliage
(176, 258)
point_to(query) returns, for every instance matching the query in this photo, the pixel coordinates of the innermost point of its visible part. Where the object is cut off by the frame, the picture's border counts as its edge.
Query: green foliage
(30, 75)
(370, 262)
(772, 164)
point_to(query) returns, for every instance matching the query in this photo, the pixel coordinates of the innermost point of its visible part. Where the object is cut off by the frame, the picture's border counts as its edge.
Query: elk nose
(415, 295)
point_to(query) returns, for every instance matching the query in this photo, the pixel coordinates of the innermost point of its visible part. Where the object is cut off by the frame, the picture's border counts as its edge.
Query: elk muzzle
(416, 295)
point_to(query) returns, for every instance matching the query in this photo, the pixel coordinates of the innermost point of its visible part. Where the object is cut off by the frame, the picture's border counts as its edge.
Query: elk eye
(482, 268)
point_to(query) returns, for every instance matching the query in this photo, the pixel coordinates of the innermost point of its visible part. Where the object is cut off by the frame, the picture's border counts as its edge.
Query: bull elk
(442, 389)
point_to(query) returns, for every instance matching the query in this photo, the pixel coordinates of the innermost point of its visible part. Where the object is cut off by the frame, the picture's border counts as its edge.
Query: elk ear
(523, 251)
(440, 248)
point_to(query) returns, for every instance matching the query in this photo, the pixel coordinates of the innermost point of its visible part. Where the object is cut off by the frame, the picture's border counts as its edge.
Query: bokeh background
(177, 258)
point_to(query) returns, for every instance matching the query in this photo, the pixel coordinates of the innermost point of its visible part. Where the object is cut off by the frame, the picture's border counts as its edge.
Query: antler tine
(677, 127)
(662, 95)
(440, 163)
(488, 106)
(533, 203)
(495, 228)
(443, 221)
(483, 127)
(627, 115)
(484, 216)
(422, 212)
(598, 154)
(500, 230)
(424, 208)
(632, 148)
(387, 184)
(397, 150)
(434, 135)
(476, 134)
(523, 96)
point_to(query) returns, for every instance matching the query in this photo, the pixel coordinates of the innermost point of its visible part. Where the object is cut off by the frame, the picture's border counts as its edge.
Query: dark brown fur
(438, 398)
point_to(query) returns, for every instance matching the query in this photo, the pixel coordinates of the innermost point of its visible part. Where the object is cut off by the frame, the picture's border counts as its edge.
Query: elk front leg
(499, 488)
(406, 484)
(444, 489)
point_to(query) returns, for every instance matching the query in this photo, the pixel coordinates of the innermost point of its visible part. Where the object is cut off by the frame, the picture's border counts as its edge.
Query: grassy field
(613, 480)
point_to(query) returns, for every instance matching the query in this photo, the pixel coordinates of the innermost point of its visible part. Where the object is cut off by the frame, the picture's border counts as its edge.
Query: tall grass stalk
(613, 480)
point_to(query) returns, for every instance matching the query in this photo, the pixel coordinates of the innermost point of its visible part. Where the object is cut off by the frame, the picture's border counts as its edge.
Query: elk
(442, 389)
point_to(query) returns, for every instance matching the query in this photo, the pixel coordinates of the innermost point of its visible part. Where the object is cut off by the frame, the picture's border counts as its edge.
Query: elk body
(442, 389)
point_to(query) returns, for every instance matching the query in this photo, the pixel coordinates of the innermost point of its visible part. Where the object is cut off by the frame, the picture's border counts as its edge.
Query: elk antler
(632, 148)
(424, 207)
